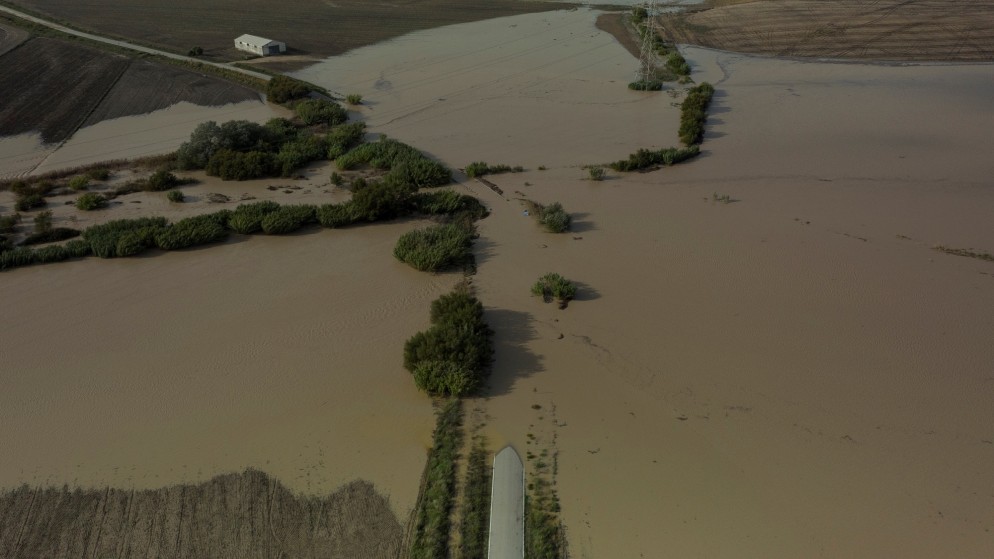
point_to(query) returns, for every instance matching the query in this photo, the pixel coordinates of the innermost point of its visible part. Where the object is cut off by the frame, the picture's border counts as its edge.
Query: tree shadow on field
(580, 224)
(483, 250)
(584, 292)
(512, 358)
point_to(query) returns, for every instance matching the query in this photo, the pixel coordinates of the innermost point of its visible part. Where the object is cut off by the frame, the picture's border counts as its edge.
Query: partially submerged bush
(235, 165)
(554, 218)
(454, 354)
(353, 99)
(435, 248)
(341, 139)
(51, 235)
(320, 111)
(381, 200)
(8, 223)
(98, 174)
(29, 201)
(103, 239)
(338, 215)
(596, 173)
(247, 218)
(646, 85)
(79, 182)
(448, 202)
(175, 196)
(693, 113)
(480, 168)
(281, 89)
(555, 286)
(91, 201)
(644, 158)
(406, 163)
(288, 219)
(191, 231)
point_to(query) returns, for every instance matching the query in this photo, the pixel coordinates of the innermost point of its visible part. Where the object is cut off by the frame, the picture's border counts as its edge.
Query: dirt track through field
(248, 515)
(938, 30)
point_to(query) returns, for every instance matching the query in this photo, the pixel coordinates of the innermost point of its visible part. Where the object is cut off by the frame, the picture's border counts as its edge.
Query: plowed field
(318, 27)
(898, 30)
(247, 515)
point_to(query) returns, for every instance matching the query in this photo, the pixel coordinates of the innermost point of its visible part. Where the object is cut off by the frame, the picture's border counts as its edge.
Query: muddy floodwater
(122, 138)
(282, 354)
(767, 357)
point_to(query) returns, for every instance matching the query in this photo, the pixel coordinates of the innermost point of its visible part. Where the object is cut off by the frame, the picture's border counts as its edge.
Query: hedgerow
(644, 158)
(693, 113)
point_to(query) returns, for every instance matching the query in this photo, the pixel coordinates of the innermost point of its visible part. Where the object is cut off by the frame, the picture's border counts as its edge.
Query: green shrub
(91, 201)
(281, 89)
(43, 221)
(8, 223)
(430, 534)
(98, 174)
(382, 200)
(247, 218)
(409, 165)
(554, 218)
(51, 236)
(435, 248)
(480, 168)
(103, 239)
(79, 182)
(299, 152)
(448, 202)
(235, 165)
(646, 85)
(677, 64)
(644, 158)
(78, 249)
(162, 180)
(191, 231)
(445, 378)
(596, 173)
(553, 285)
(459, 336)
(320, 111)
(28, 202)
(20, 256)
(175, 196)
(342, 138)
(353, 98)
(288, 219)
(693, 113)
(338, 215)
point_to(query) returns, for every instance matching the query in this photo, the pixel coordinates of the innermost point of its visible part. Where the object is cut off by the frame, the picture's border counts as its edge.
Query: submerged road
(131, 46)
(507, 507)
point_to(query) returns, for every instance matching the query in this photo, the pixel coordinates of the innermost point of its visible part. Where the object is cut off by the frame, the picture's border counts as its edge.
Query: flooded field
(793, 373)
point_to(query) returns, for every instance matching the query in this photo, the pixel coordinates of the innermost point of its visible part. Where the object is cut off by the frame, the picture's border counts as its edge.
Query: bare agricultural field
(248, 515)
(54, 87)
(146, 86)
(51, 86)
(10, 37)
(317, 27)
(892, 30)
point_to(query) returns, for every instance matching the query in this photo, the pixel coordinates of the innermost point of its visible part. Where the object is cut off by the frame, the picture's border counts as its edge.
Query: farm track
(248, 515)
(908, 30)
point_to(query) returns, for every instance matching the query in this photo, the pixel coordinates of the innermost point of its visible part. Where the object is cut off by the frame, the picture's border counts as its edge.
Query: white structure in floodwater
(507, 507)
(259, 45)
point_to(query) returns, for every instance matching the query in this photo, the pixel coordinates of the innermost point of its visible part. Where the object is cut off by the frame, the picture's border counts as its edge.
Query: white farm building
(258, 45)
